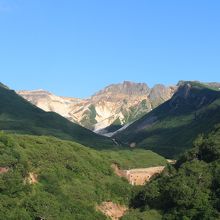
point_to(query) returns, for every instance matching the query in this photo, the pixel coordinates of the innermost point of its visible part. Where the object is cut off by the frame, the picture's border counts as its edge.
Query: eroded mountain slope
(111, 108)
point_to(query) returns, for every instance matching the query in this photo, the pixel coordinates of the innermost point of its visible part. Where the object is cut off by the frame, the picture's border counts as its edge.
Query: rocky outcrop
(125, 89)
(138, 176)
(111, 108)
(160, 93)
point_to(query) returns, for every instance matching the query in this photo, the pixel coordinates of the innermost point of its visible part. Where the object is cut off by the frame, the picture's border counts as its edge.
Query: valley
(109, 110)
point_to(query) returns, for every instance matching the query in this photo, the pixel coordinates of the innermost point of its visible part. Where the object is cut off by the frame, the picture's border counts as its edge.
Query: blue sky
(76, 47)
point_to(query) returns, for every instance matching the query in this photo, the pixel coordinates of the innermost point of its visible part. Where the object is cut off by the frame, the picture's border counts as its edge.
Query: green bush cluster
(190, 189)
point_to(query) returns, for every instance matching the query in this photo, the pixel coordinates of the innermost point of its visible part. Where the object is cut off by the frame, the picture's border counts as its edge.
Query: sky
(77, 47)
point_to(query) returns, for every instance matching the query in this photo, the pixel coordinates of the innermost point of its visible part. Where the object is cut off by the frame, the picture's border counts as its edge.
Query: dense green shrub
(192, 189)
(71, 179)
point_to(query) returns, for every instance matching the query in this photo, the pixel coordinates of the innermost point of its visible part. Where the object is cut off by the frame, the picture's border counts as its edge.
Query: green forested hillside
(70, 179)
(19, 116)
(171, 128)
(190, 190)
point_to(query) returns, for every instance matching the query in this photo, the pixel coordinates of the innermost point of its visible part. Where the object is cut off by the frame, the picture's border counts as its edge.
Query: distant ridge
(171, 127)
(3, 86)
(108, 109)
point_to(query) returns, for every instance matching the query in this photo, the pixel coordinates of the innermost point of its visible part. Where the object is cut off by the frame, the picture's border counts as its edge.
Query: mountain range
(163, 119)
(107, 110)
(171, 128)
(51, 167)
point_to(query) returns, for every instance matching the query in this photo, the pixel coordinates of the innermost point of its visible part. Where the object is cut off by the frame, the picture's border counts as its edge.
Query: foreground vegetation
(190, 190)
(70, 179)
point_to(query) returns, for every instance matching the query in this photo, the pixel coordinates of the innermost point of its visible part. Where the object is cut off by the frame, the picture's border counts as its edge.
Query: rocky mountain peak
(35, 95)
(194, 95)
(116, 104)
(161, 93)
(183, 89)
(36, 92)
(126, 88)
(186, 89)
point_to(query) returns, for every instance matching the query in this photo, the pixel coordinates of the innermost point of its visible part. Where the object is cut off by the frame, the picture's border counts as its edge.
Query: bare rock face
(114, 106)
(126, 89)
(160, 93)
(138, 176)
(112, 210)
(51, 103)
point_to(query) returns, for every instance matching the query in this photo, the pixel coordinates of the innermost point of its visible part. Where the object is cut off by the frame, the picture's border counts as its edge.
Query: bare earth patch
(32, 178)
(171, 161)
(138, 176)
(112, 210)
(4, 170)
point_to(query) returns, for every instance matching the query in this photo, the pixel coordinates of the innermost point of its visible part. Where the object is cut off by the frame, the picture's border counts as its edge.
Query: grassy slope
(136, 158)
(72, 178)
(178, 122)
(19, 116)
